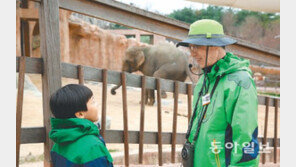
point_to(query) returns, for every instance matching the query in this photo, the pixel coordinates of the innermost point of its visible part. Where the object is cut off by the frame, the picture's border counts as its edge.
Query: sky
(164, 6)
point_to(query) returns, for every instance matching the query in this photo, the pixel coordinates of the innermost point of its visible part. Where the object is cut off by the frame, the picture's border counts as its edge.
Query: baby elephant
(161, 61)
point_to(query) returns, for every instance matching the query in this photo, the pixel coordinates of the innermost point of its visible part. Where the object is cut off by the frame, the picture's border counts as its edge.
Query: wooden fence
(85, 73)
(52, 70)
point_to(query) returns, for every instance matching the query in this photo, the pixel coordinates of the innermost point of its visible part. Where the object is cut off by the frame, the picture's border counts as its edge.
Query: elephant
(163, 60)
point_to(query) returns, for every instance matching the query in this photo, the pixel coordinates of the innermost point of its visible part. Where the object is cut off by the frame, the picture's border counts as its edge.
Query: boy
(77, 139)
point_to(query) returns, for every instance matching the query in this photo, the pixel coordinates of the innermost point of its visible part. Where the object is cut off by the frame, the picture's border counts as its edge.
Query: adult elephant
(161, 61)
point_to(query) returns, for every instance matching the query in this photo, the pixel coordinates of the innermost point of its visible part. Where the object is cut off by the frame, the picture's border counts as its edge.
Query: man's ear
(80, 114)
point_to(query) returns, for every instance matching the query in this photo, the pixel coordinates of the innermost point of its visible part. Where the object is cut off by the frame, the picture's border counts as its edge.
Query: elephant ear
(140, 59)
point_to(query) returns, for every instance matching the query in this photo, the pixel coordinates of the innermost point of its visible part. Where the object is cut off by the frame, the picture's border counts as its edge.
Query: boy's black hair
(68, 100)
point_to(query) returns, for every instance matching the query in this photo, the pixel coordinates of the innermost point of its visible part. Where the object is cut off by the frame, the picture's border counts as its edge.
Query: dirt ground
(32, 116)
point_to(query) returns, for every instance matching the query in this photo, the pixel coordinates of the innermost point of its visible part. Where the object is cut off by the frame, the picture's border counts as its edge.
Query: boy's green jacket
(77, 142)
(228, 133)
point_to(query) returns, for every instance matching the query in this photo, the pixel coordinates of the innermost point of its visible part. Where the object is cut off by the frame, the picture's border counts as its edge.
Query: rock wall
(83, 43)
(93, 46)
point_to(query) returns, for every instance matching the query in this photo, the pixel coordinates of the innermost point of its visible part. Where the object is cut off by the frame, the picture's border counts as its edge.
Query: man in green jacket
(223, 129)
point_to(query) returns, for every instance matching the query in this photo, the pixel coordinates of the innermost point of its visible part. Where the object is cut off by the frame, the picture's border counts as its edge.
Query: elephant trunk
(113, 90)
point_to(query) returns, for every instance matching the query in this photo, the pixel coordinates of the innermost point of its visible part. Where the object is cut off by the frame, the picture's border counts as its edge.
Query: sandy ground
(32, 115)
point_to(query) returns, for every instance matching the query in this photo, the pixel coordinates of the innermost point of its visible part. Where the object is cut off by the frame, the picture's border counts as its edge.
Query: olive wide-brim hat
(206, 32)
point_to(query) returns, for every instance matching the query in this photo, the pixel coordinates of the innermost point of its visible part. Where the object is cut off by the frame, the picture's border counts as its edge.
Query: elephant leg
(170, 71)
(146, 97)
(151, 97)
(163, 94)
(161, 74)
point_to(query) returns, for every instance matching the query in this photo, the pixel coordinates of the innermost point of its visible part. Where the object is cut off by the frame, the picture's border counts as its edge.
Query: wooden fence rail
(34, 66)
(159, 122)
(37, 135)
(264, 142)
(104, 102)
(142, 119)
(174, 129)
(125, 119)
(19, 105)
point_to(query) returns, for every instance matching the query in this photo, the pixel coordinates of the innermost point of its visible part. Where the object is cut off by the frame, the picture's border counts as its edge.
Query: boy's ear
(80, 114)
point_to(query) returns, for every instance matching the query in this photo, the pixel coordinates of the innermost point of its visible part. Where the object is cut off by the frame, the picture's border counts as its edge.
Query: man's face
(199, 54)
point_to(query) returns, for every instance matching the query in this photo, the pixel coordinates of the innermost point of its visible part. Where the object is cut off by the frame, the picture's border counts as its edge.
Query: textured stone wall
(93, 46)
(82, 43)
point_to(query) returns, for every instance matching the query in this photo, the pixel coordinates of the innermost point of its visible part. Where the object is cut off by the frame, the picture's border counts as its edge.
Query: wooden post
(50, 51)
(276, 110)
(25, 33)
(159, 121)
(265, 128)
(104, 102)
(142, 119)
(25, 38)
(125, 119)
(19, 105)
(80, 74)
(176, 97)
(189, 100)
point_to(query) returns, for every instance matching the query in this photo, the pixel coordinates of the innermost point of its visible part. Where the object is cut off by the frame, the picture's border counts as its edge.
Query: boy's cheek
(96, 114)
(97, 117)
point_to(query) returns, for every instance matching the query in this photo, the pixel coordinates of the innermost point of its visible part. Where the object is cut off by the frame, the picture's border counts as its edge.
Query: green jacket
(228, 133)
(78, 143)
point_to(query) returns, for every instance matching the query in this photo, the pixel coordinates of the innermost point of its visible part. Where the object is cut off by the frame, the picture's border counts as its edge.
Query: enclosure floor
(32, 116)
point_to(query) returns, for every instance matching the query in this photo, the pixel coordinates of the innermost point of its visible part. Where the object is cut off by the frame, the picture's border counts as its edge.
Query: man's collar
(207, 69)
